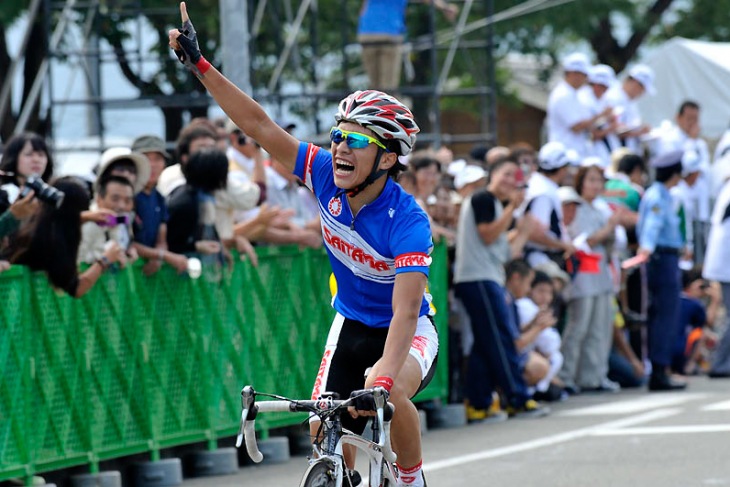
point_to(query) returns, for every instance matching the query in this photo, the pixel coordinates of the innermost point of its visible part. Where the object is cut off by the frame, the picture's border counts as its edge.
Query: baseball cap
(456, 166)
(691, 162)
(668, 159)
(554, 155)
(150, 143)
(577, 62)
(601, 74)
(644, 75)
(568, 194)
(469, 174)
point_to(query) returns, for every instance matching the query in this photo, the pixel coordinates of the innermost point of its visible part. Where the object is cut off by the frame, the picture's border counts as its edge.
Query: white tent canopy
(690, 70)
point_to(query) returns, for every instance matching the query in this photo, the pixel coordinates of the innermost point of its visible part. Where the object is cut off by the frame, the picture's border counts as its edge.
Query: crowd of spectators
(212, 193)
(591, 263)
(559, 255)
(578, 265)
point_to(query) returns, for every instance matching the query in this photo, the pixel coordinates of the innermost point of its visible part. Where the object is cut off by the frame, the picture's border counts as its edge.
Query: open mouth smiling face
(353, 152)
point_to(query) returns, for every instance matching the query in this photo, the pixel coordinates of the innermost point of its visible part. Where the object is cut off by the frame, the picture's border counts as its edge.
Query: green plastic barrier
(143, 363)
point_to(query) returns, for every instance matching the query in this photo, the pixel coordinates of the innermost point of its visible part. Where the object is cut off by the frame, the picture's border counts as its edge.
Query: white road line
(662, 430)
(718, 406)
(631, 406)
(550, 440)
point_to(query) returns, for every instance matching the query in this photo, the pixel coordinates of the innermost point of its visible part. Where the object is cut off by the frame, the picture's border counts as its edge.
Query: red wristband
(383, 381)
(203, 65)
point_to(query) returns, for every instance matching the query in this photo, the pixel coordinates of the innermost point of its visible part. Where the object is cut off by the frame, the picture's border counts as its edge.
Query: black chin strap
(374, 175)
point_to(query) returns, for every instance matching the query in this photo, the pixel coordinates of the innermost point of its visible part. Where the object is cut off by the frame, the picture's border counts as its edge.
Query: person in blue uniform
(661, 242)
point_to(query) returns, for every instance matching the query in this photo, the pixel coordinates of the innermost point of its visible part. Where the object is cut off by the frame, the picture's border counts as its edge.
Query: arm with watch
(113, 253)
(158, 255)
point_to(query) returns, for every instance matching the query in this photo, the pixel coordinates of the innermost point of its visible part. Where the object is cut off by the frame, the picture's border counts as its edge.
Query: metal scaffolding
(435, 53)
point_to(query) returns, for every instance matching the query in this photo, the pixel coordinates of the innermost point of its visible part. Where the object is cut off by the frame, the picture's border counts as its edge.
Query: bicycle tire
(320, 474)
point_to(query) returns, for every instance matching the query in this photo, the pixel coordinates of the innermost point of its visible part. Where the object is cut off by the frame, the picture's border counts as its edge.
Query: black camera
(44, 192)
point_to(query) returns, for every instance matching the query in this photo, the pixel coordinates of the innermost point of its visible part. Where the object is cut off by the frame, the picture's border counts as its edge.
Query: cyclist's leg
(347, 354)
(417, 371)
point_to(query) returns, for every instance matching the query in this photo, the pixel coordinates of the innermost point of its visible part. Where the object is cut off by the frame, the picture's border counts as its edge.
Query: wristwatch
(104, 262)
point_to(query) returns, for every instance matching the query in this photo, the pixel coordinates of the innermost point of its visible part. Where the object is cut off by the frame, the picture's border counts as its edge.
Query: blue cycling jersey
(388, 236)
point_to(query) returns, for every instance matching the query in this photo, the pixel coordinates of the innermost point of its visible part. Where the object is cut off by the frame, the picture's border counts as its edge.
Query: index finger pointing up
(184, 12)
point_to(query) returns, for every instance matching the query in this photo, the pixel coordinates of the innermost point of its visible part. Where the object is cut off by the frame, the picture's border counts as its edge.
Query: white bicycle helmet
(383, 114)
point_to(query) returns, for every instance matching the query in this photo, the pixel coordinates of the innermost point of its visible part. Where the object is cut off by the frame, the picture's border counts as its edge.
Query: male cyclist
(378, 240)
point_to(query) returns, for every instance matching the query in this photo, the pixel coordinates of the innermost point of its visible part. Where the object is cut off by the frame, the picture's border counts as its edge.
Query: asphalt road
(631, 438)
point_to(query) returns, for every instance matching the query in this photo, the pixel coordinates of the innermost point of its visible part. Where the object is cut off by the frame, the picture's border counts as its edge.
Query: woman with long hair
(49, 242)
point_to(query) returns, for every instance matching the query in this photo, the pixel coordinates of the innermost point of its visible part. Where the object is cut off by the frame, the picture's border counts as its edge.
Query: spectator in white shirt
(685, 135)
(568, 120)
(720, 163)
(683, 195)
(716, 266)
(601, 77)
(548, 240)
(623, 97)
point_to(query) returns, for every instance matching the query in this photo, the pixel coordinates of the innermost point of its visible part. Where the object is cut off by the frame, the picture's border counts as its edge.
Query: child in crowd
(519, 278)
(695, 323)
(547, 340)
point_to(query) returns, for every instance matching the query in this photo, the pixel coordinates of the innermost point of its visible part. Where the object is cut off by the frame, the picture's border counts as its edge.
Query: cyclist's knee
(405, 386)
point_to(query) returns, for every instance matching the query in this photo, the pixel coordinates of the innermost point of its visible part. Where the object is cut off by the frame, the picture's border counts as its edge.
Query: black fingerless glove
(363, 399)
(189, 52)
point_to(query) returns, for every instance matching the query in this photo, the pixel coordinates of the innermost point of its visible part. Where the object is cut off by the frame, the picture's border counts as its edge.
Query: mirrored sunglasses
(354, 140)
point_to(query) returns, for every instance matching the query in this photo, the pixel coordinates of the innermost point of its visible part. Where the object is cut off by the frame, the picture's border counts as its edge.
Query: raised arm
(245, 112)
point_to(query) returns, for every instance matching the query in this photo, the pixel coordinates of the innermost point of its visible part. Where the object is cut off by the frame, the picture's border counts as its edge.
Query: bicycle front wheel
(322, 473)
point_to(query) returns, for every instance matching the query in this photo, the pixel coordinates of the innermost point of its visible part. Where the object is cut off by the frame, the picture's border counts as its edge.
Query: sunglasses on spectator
(354, 140)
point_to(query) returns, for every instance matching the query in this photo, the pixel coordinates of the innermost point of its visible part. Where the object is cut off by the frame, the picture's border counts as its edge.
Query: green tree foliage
(599, 22)
(702, 19)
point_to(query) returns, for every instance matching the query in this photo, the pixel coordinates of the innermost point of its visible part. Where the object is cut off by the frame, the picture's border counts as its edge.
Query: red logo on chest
(335, 206)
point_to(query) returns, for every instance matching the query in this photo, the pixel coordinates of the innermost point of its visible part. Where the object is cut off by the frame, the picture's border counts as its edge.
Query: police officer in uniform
(660, 242)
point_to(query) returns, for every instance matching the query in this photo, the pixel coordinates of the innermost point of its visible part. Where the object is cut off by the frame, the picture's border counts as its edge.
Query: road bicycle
(326, 464)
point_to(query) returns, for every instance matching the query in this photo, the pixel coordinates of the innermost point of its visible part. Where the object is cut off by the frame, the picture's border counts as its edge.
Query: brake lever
(248, 396)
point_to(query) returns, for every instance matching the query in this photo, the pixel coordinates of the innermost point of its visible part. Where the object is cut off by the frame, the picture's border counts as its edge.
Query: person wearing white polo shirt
(548, 240)
(623, 97)
(568, 120)
(716, 266)
(685, 204)
(720, 163)
(685, 135)
(601, 77)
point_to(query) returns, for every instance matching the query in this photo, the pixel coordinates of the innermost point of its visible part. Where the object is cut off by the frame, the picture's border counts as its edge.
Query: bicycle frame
(380, 454)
